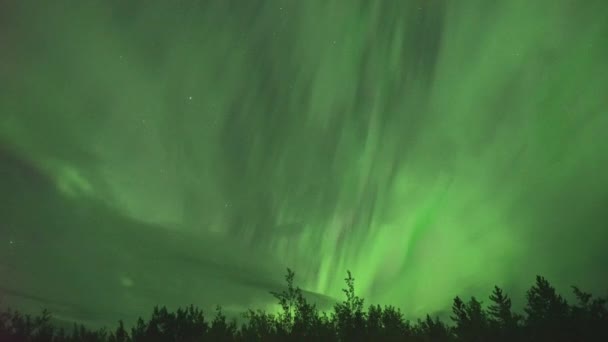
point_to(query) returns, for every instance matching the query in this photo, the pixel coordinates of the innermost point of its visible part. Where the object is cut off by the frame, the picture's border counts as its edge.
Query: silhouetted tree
(5, 327)
(81, 334)
(432, 330)
(349, 315)
(374, 320)
(471, 320)
(299, 319)
(259, 326)
(138, 332)
(186, 324)
(503, 322)
(548, 318)
(189, 324)
(589, 317)
(287, 299)
(547, 313)
(394, 327)
(221, 329)
(325, 328)
(120, 334)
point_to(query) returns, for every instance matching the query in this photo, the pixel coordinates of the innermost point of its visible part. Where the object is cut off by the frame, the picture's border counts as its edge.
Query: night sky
(177, 152)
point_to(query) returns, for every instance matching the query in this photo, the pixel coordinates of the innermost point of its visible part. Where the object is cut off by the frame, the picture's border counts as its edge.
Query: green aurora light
(431, 147)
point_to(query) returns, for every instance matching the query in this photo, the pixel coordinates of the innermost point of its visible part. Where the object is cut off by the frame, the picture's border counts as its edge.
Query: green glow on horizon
(430, 147)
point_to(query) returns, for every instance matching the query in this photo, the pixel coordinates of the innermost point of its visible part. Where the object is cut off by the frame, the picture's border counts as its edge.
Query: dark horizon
(546, 316)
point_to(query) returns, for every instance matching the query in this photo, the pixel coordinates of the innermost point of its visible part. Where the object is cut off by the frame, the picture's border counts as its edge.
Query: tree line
(546, 316)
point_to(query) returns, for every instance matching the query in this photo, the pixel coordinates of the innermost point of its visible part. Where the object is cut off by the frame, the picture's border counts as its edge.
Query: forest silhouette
(546, 316)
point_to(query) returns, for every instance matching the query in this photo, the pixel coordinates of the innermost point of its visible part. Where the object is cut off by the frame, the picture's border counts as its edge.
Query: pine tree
(120, 335)
(546, 312)
(221, 329)
(590, 316)
(500, 311)
(470, 318)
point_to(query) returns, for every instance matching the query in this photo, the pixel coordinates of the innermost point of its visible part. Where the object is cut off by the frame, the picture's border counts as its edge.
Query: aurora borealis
(160, 152)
